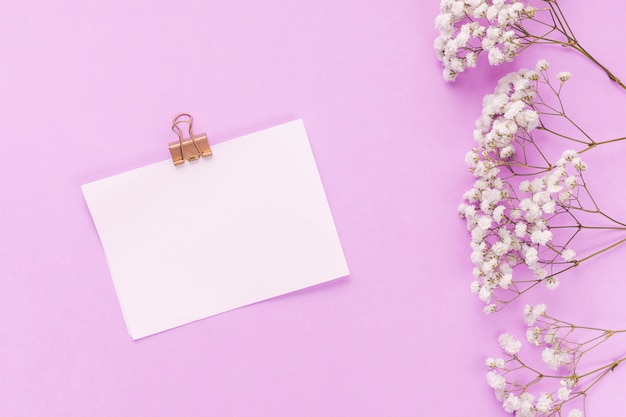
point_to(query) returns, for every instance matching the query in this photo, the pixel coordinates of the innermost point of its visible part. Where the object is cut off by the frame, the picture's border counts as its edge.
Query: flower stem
(619, 242)
(562, 26)
(578, 47)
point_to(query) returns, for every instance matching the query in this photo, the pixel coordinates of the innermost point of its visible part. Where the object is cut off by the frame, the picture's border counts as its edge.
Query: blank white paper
(249, 223)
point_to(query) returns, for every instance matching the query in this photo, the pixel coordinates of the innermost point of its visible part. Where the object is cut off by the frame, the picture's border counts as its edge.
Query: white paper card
(188, 242)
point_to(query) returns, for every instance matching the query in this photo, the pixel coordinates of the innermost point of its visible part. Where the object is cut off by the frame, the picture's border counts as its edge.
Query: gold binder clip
(191, 148)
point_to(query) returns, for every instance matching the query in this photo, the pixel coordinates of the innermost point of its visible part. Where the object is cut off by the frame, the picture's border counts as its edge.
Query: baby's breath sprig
(562, 379)
(502, 29)
(528, 208)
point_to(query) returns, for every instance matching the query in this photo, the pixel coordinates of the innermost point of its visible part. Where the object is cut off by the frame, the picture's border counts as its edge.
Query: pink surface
(88, 89)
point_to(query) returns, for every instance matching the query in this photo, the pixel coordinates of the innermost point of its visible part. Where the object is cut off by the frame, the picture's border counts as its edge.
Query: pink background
(88, 89)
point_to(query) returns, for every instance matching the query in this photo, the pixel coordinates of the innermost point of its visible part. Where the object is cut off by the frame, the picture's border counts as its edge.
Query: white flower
(553, 179)
(542, 65)
(555, 358)
(539, 272)
(468, 28)
(478, 234)
(457, 8)
(579, 164)
(549, 207)
(544, 403)
(449, 75)
(563, 393)
(537, 185)
(507, 152)
(490, 309)
(532, 75)
(498, 213)
(526, 408)
(565, 196)
(471, 158)
(541, 197)
(469, 212)
(552, 283)
(564, 76)
(500, 248)
(549, 336)
(527, 119)
(531, 314)
(568, 382)
(495, 380)
(575, 412)
(520, 229)
(513, 108)
(532, 211)
(496, 57)
(489, 266)
(512, 403)
(495, 363)
(471, 59)
(492, 12)
(533, 335)
(571, 182)
(509, 344)
(494, 32)
(481, 10)
(541, 236)
(506, 280)
(530, 256)
(568, 254)
(490, 197)
(567, 156)
(524, 186)
(484, 222)
(485, 294)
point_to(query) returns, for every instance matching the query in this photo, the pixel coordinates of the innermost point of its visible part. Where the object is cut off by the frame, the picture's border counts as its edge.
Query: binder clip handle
(191, 148)
(176, 129)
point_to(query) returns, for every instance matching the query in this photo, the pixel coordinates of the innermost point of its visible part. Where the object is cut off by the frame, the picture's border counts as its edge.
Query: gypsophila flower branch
(502, 29)
(530, 206)
(562, 380)
(525, 209)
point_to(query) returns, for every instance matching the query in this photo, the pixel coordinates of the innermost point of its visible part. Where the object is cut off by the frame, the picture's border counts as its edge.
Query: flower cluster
(529, 203)
(501, 29)
(508, 231)
(469, 27)
(547, 392)
(510, 221)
